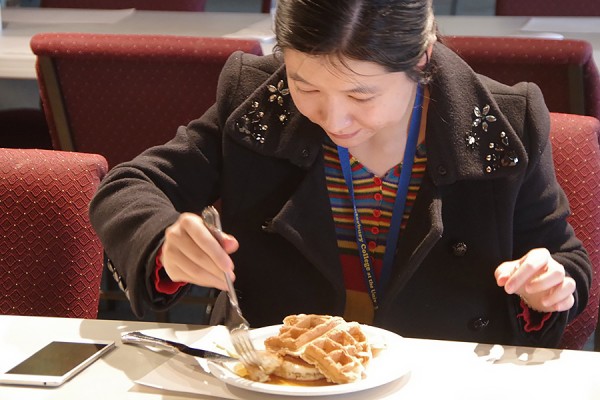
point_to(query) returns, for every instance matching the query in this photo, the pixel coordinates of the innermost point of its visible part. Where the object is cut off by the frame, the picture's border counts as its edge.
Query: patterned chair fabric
(50, 257)
(577, 161)
(117, 95)
(566, 8)
(564, 70)
(156, 5)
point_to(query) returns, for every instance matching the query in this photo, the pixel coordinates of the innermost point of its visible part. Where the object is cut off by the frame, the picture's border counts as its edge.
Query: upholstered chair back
(50, 257)
(557, 8)
(577, 161)
(117, 94)
(563, 69)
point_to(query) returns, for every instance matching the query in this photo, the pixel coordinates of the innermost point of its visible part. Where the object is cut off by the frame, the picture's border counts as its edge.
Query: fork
(235, 322)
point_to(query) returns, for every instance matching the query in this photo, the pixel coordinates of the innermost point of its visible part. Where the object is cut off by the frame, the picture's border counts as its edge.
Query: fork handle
(212, 221)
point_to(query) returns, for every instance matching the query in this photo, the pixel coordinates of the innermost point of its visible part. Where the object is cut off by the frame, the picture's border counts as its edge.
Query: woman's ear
(425, 57)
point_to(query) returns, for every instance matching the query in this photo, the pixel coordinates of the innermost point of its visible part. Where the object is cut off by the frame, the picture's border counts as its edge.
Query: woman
(366, 171)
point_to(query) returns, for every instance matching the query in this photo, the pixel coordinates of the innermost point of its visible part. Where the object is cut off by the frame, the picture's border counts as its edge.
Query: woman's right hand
(190, 253)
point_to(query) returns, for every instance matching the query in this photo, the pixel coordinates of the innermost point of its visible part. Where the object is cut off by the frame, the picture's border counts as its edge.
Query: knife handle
(141, 339)
(145, 340)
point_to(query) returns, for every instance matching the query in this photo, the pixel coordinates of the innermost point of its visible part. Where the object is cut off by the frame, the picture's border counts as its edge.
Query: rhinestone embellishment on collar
(252, 123)
(482, 117)
(499, 153)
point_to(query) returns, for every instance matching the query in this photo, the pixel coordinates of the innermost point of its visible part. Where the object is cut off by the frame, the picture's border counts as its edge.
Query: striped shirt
(374, 197)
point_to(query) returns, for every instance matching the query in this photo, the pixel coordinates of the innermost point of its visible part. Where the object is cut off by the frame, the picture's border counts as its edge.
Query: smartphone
(55, 363)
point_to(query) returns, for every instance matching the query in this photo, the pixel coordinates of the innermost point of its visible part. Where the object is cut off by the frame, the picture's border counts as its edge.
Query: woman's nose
(335, 117)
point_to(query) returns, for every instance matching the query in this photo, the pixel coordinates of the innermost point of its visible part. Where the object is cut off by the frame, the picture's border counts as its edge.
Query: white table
(439, 369)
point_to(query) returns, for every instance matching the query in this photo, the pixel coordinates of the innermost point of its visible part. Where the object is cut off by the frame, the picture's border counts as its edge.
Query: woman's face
(354, 103)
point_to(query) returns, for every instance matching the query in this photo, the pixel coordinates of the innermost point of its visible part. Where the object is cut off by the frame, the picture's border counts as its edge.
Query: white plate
(388, 366)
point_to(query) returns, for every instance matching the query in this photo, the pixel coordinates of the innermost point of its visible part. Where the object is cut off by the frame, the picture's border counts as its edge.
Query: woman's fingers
(539, 280)
(546, 280)
(199, 270)
(504, 271)
(205, 242)
(229, 244)
(531, 265)
(560, 298)
(191, 254)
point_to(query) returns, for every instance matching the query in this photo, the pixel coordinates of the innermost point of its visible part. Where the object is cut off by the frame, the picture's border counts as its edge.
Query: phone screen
(57, 358)
(55, 363)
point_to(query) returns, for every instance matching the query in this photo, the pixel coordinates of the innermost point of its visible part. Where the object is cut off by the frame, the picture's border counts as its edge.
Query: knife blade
(141, 339)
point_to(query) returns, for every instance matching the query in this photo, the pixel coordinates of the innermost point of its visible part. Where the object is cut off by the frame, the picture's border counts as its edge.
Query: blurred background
(443, 7)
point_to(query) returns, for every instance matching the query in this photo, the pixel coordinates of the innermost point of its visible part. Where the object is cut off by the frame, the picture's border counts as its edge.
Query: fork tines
(244, 347)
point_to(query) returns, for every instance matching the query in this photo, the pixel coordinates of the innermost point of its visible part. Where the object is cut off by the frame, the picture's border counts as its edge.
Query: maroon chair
(265, 6)
(563, 69)
(117, 95)
(577, 161)
(50, 257)
(157, 5)
(557, 8)
(24, 128)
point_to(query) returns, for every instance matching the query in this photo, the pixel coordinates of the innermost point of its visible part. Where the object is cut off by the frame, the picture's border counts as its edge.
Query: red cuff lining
(532, 326)
(162, 283)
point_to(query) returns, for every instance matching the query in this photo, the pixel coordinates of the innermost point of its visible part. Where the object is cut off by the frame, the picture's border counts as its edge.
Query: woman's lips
(343, 136)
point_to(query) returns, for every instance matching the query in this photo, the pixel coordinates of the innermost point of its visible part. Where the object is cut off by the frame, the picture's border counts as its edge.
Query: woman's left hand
(540, 281)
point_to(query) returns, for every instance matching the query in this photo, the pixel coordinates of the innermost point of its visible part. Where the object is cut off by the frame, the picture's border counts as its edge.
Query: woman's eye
(305, 90)
(362, 99)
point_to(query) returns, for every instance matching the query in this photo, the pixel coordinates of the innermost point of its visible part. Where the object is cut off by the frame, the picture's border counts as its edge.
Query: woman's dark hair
(392, 33)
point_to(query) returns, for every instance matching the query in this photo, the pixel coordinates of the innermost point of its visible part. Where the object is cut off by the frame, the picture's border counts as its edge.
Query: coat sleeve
(139, 199)
(541, 220)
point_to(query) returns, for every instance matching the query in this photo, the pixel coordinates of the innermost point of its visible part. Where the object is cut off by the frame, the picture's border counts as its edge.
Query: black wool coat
(489, 195)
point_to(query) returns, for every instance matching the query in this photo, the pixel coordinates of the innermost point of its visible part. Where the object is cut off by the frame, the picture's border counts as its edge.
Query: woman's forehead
(304, 65)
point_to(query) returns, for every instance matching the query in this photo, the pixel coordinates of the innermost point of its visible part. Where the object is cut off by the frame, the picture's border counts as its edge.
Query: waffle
(298, 330)
(337, 349)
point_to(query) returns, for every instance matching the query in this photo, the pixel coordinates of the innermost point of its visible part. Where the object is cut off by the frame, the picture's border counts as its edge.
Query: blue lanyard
(375, 289)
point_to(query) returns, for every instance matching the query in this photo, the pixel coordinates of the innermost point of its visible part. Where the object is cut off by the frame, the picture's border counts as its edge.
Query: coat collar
(269, 123)
(468, 135)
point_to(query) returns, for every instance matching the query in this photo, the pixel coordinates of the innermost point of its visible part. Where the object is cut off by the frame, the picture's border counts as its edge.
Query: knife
(138, 338)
